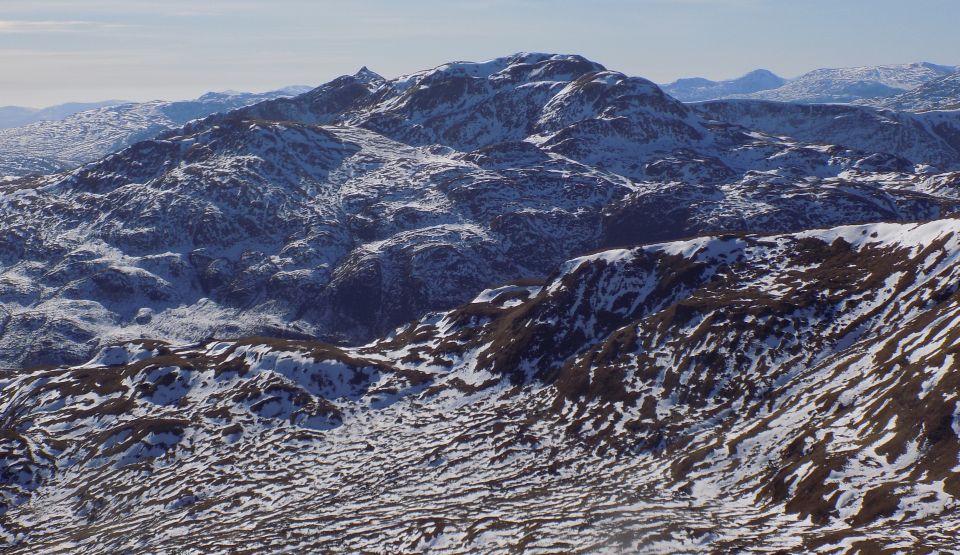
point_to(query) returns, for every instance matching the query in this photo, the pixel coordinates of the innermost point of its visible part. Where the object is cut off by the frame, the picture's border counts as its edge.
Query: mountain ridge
(359, 205)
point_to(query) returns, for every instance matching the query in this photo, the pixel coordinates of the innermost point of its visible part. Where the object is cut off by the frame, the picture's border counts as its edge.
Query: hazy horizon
(57, 51)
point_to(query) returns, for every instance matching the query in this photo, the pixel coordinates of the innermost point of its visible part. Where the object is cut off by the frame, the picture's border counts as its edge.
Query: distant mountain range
(63, 143)
(18, 116)
(695, 89)
(840, 86)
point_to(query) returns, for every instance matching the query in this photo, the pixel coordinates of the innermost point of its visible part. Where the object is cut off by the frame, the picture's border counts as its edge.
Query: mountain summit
(364, 75)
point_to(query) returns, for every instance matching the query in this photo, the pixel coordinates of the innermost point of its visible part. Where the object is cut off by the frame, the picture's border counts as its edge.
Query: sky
(54, 51)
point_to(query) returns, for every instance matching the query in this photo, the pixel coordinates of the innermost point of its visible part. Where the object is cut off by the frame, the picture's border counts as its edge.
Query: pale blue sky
(54, 51)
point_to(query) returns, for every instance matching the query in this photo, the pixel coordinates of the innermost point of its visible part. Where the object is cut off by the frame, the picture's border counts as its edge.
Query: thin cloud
(167, 8)
(50, 26)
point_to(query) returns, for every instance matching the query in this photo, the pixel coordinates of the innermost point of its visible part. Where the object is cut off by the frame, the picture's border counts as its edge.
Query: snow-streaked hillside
(930, 138)
(938, 94)
(56, 144)
(791, 393)
(366, 202)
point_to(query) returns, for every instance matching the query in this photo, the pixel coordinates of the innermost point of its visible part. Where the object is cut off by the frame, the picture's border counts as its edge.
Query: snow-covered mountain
(18, 116)
(733, 393)
(55, 144)
(367, 202)
(845, 85)
(524, 305)
(938, 94)
(696, 89)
